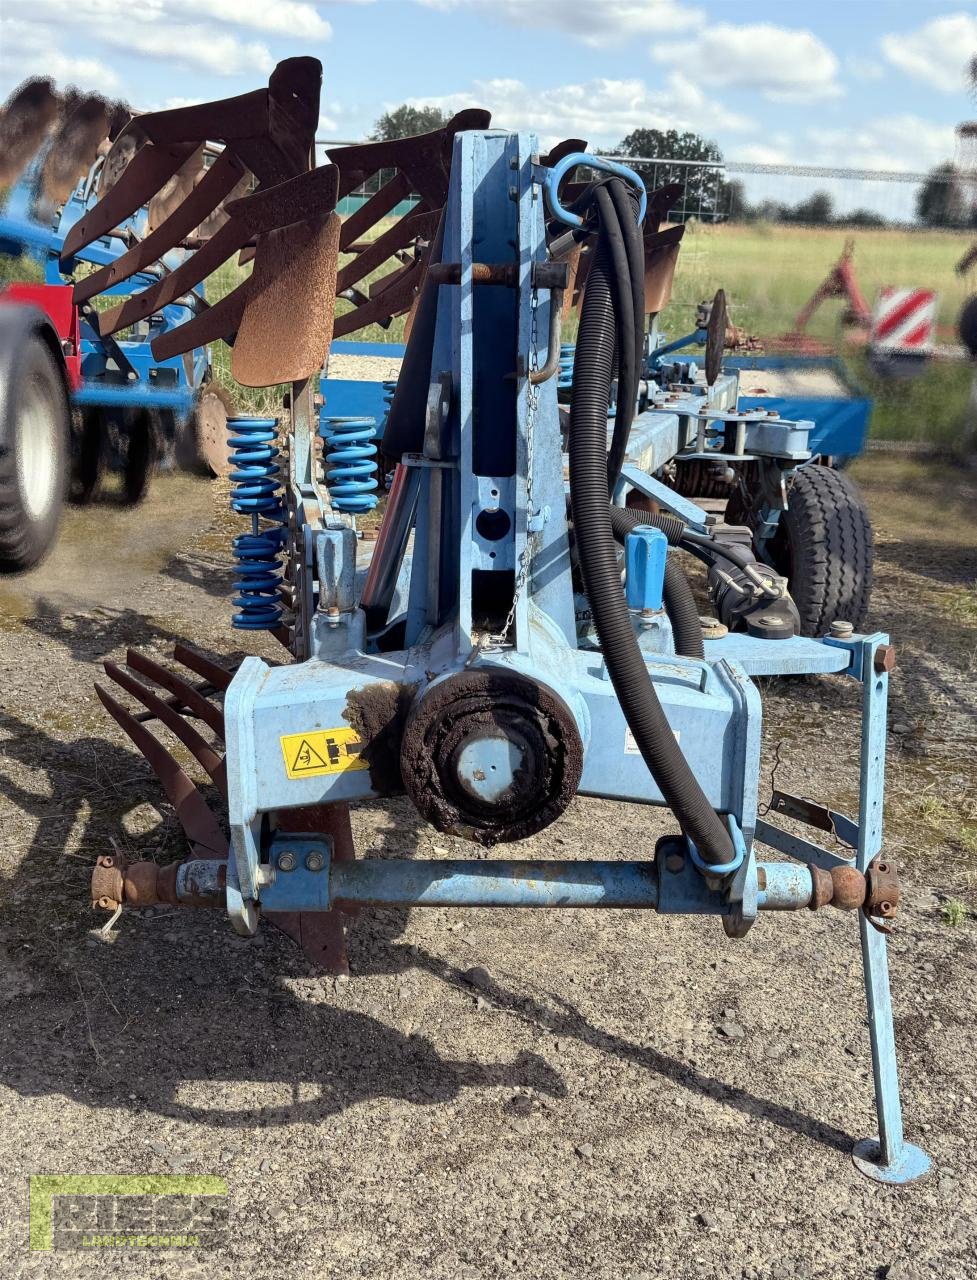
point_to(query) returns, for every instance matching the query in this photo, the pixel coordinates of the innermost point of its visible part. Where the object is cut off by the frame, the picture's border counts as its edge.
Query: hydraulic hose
(601, 574)
(680, 605)
(625, 200)
(628, 347)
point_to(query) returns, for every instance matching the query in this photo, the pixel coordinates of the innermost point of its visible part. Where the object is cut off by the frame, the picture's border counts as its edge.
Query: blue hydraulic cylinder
(645, 550)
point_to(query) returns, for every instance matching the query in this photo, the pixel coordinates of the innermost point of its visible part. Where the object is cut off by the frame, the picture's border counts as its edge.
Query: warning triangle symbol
(307, 758)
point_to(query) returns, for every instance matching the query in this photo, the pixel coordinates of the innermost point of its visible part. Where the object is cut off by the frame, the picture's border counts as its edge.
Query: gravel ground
(496, 1093)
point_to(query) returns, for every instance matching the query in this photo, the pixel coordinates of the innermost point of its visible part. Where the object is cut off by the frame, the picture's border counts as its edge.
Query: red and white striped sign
(904, 320)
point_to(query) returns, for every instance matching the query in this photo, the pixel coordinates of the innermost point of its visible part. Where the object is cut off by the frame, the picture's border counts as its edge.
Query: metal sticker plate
(322, 751)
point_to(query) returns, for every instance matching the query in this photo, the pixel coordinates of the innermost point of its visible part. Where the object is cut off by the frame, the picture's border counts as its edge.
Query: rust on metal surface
(146, 173)
(716, 336)
(884, 659)
(108, 882)
(320, 934)
(201, 826)
(188, 696)
(25, 119)
(282, 312)
(117, 883)
(421, 166)
(287, 324)
(843, 887)
(807, 811)
(75, 146)
(220, 677)
(882, 889)
(178, 725)
(218, 182)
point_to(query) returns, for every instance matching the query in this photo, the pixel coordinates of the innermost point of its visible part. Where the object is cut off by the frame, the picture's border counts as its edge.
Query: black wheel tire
(91, 457)
(33, 456)
(967, 325)
(823, 545)
(142, 453)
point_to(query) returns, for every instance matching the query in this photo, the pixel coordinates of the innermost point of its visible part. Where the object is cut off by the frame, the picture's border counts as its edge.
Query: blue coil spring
(351, 462)
(256, 477)
(564, 379)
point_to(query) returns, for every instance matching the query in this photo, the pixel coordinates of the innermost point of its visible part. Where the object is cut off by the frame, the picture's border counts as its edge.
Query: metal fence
(737, 191)
(741, 191)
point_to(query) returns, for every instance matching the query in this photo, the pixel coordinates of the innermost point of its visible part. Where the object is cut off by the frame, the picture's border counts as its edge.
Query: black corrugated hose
(597, 553)
(680, 605)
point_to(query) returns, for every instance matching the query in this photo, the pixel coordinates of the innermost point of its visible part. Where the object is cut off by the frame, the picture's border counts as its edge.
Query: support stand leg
(887, 1158)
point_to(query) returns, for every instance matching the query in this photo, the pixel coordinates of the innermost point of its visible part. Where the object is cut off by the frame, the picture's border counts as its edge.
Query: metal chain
(532, 409)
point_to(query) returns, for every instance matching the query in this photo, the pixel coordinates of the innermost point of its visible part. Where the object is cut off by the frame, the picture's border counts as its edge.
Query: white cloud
(864, 68)
(292, 18)
(762, 153)
(903, 142)
(26, 51)
(198, 34)
(597, 23)
(783, 64)
(936, 53)
(191, 46)
(602, 111)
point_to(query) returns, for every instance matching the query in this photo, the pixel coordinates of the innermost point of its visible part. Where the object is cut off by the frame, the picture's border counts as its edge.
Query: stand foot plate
(910, 1164)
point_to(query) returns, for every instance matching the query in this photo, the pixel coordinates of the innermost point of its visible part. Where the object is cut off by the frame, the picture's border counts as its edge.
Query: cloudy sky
(870, 83)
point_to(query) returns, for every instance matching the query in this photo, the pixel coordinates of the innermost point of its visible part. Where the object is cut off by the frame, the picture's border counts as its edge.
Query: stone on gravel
(479, 978)
(731, 1030)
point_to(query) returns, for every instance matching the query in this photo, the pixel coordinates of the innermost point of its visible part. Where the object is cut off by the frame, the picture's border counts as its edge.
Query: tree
(704, 187)
(941, 201)
(737, 206)
(863, 218)
(405, 121)
(816, 211)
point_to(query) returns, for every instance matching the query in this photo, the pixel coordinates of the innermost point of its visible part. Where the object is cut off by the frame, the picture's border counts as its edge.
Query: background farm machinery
(488, 661)
(77, 401)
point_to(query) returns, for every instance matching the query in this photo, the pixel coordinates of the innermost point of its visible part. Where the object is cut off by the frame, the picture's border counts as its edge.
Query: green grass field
(769, 271)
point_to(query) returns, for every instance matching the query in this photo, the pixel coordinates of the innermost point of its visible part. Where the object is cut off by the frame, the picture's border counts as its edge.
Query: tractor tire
(91, 457)
(33, 456)
(823, 546)
(141, 458)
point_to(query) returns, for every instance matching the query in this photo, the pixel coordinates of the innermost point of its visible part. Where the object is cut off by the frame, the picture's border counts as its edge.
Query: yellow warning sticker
(322, 751)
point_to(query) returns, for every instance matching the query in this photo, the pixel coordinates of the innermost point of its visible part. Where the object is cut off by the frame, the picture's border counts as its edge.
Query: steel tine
(220, 179)
(196, 702)
(425, 158)
(308, 196)
(229, 119)
(25, 119)
(201, 827)
(378, 206)
(75, 147)
(201, 750)
(218, 676)
(197, 267)
(216, 323)
(149, 168)
(414, 225)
